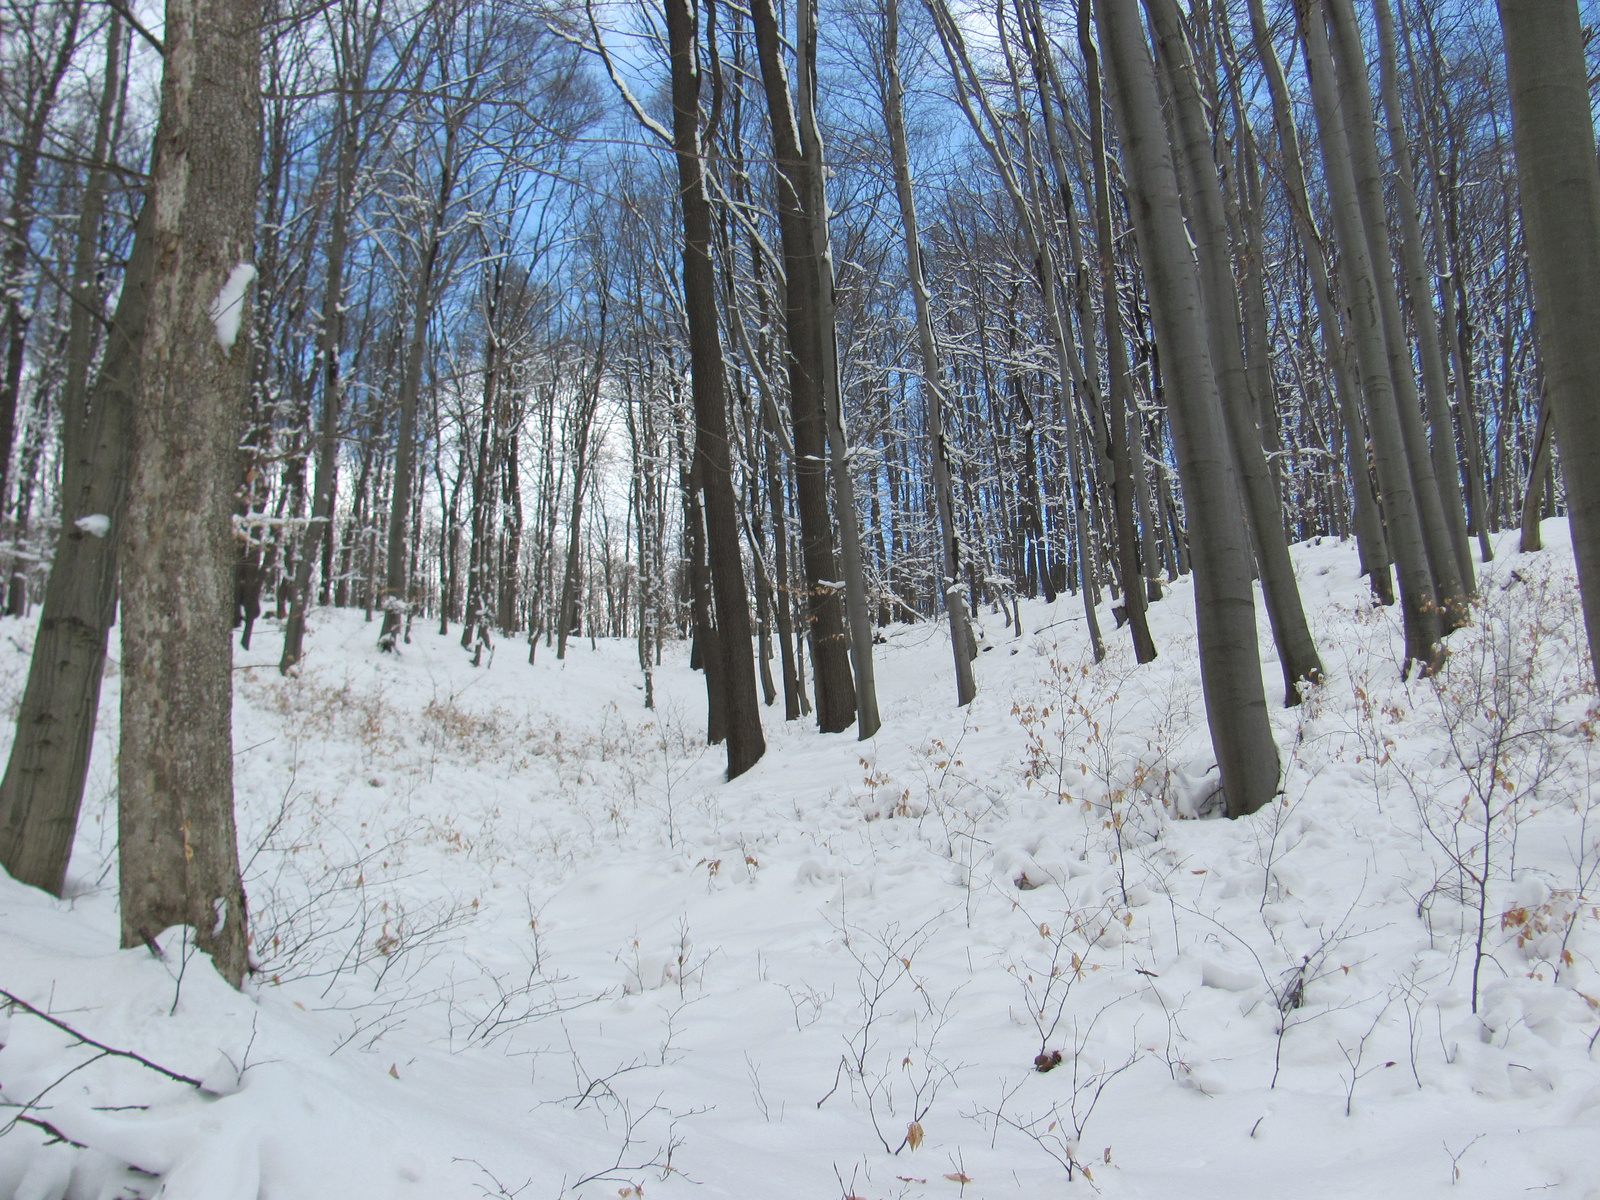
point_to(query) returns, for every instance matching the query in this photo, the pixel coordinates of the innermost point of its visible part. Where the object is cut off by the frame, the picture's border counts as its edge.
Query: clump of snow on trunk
(228, 307)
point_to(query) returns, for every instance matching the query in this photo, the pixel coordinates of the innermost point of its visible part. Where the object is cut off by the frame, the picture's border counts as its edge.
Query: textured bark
(1230, 663)
(1297, 653)
(709, 390)
(43, 786)
(1554, 137)
(178, 855)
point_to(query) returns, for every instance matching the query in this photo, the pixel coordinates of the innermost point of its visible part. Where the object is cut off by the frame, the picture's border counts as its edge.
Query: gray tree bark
(43, 786)
(709, 390)
(1446, 463)
(1403, 527)
(1355, 99)
(1553, 133)
(1371, 549)
(1230, 663)
(1297, 653)
(814, 200)
(177, 851)
(807, 364)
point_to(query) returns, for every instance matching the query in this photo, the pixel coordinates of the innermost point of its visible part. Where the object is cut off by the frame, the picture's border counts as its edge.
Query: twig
(89, 1041)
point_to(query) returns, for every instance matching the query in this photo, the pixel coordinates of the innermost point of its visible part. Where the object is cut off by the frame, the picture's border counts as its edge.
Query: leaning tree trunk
(1355, 91)
(1230, 663)
(708, 389)
(43, 786)
(1553, 132)
(1297, 653)
(1402, 525)
(1371, 549)
(1446, 462)
(178, 856)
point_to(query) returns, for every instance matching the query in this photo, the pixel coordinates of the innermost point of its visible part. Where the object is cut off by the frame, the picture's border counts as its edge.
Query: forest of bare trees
(765, 327)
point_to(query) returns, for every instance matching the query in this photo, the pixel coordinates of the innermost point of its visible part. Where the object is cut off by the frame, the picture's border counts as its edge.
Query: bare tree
(179, 862)
(1230, 663)
(1560, 188)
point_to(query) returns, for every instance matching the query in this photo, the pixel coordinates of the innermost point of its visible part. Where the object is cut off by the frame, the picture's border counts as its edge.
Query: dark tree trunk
(708, 389)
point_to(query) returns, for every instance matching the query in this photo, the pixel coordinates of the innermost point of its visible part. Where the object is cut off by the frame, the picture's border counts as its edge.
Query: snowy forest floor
(517, 938)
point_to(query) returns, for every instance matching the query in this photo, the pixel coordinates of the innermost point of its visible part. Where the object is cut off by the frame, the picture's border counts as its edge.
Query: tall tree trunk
(1121, 399)
(814, 200)
(807, 363)
(1446, 463)
(1402, 526)
(395, 599)
(43, 786)
(1553, 132)
(325, 481)
(708, 389)
(1442, 209)
(1371, 549)
(1230, 662)
(583, 421)
(933, 395)
(177, 850)
(1355, 92)
(1297, 653)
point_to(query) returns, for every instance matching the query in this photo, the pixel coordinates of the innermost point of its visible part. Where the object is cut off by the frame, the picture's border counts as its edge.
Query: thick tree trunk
(708, 388)
(1230, 663)
(1560, 186)
(43, 786)
(179, 860)
(807, 363)
(1297, 653)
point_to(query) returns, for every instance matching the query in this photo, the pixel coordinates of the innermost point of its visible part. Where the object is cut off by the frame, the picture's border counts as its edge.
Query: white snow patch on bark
(228, 308)
(95, 524)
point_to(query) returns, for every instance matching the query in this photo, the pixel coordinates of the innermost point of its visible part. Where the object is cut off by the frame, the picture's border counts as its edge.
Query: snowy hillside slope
(517, 938)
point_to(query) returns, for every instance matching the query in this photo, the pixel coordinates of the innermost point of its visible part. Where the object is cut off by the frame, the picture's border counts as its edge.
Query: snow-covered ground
(517, 938)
